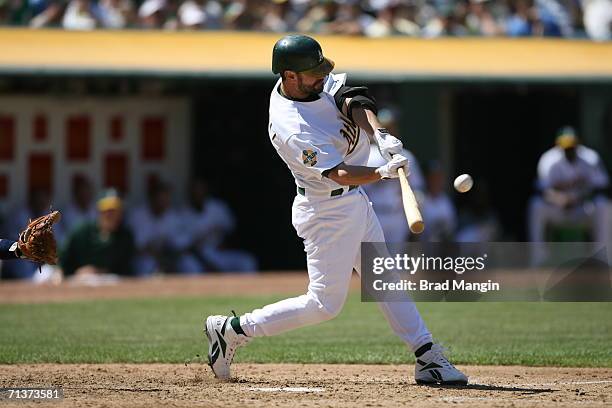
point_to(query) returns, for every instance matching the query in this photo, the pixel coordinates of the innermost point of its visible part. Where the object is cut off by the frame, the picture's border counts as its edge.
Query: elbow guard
(359, 97)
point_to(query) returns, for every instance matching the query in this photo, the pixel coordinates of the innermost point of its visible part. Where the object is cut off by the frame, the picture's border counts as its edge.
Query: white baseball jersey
(147, 227)
(598, 177)
(214, 222)
(312, 137)
(586, 173)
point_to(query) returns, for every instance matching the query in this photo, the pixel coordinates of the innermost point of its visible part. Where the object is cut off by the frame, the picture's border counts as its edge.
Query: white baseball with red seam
(463, 183)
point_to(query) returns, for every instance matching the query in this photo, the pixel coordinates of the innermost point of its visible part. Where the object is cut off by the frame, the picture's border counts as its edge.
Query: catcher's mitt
(37, 241)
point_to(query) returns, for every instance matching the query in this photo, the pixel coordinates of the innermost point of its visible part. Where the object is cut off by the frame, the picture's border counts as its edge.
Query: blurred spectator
(438, 210)
(278, 17)
(395, 17)
(208, 222)
(350, 19)
(479, 222)
(386, 195)
(160, 238)
(572, 181)
(450, 21)
(195, 14)
(46, 12)
(79, 16)
(81, 208)
(101, 246)
(152, 13)
(318, 17)
(116, 14)
(598, 19)
(373, 18)
(39, 204)
(158, 14)
(523, 19)
(480, 19)
(191, 15)
(554, 19)
(245, 15)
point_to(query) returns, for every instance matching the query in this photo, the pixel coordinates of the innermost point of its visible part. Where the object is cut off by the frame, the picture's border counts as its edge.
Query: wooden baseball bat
(411, 208)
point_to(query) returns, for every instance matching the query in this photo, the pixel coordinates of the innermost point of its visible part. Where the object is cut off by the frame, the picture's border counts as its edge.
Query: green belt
(333, 193)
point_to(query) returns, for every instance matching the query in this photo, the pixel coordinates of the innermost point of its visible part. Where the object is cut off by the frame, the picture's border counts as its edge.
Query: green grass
(169, 330)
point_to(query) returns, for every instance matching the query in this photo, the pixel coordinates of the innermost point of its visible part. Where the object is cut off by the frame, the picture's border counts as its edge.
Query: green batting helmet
(300, 53)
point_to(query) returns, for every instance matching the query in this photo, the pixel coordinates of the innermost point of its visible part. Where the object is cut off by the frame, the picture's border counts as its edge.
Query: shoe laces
(438, 351)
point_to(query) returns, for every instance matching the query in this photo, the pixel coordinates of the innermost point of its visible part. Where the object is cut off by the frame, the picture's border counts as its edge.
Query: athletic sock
(235, 322)
(423, 349)
(8, 249)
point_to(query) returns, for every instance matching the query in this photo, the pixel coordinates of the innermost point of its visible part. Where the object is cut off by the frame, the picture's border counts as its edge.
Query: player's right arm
(360, 107)
(346, 175)
(320, 158)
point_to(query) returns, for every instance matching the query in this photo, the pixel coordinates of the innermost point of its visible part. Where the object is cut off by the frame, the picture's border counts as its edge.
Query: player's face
(309, 84)
(109, 220)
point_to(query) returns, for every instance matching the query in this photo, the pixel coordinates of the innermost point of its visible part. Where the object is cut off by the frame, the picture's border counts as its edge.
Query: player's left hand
(388, 145)
(390, 170)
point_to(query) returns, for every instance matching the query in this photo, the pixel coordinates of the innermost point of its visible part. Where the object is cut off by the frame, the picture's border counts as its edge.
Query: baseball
(463, 183)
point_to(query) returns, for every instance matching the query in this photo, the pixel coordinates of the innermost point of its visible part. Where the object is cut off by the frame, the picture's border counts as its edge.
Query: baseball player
(81, 209)
(208, 221)
(158, 236)
(573, 182)
(321, 129)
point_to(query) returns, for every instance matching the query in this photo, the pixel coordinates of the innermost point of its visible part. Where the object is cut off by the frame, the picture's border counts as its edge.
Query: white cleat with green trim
(222, 344)
(434, 368)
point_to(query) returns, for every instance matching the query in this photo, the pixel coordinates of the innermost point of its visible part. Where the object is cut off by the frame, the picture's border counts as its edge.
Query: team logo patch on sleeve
(309, 157)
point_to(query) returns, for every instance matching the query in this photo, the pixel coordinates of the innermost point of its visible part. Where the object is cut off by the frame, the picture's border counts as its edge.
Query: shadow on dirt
(483, 387)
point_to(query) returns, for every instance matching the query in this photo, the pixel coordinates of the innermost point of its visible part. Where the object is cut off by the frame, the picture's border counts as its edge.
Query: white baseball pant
(333, 229)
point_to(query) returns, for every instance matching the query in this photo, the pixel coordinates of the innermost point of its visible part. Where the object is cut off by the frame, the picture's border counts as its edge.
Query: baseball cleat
(434, 368)
(222, 344)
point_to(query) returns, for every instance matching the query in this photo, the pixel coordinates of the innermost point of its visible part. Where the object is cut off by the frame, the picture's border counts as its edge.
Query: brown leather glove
(37, 242)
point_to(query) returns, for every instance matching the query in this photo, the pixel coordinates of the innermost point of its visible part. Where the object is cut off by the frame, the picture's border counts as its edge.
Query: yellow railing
(229, 53)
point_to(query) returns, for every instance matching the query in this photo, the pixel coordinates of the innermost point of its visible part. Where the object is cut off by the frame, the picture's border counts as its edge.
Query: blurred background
(145, 122)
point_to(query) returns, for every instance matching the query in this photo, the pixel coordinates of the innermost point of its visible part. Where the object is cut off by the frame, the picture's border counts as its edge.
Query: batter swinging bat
(411, 208)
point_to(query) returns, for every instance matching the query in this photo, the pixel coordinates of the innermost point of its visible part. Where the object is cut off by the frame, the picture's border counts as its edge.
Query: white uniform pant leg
(188, 265)
(332, 230)
(403, 317)
(541, 214)
(230, 260)
(601, 221)
(537, 217)
(145, 265)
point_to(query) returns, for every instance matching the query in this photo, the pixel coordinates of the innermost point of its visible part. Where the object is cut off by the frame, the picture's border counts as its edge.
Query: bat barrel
(411, 208)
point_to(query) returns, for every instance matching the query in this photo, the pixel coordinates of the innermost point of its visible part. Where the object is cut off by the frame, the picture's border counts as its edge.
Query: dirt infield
(218, 285)
(296, 385)
(279, 385)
